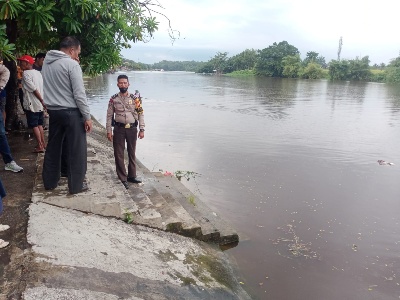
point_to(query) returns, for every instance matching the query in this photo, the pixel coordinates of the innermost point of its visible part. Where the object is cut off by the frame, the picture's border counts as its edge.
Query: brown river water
(292, 165)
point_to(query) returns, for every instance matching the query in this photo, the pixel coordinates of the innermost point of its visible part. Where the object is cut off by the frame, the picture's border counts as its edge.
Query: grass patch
(241, 73)
(128, 217)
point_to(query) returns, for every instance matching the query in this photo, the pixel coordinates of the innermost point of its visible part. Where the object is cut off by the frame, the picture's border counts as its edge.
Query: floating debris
(296, 247)
(385, 163)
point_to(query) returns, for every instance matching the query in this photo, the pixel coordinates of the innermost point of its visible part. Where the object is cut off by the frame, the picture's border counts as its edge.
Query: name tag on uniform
(128, 125)
(130, 101)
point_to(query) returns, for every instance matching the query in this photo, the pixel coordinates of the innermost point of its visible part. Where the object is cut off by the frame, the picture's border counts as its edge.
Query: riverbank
(79, 247)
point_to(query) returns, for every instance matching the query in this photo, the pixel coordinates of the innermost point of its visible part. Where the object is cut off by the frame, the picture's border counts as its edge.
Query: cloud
(310, 25)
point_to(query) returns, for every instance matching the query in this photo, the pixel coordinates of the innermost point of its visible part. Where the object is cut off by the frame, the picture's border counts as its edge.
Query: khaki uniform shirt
(126, 110)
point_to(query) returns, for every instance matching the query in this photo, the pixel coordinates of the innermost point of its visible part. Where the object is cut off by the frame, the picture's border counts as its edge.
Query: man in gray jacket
(70, 120)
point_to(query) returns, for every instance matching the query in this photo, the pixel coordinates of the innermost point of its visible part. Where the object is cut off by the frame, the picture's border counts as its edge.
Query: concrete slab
(107, 258)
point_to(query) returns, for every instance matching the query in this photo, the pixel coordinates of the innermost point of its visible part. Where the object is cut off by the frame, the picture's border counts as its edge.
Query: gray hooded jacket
(63, 83)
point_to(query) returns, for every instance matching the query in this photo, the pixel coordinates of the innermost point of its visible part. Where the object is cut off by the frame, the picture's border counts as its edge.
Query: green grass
(241, 73)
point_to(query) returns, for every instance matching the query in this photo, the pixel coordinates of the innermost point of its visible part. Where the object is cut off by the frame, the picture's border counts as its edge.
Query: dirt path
(13, 265)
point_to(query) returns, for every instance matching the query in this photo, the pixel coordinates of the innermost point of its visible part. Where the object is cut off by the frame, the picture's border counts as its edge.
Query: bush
(241, 73)
(312, 71)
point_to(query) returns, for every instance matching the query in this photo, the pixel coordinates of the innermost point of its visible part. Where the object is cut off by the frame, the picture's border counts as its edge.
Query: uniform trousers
(121, 135)
(66, 149)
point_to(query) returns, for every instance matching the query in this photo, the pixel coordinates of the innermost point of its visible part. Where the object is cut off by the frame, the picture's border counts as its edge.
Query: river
(292, 165)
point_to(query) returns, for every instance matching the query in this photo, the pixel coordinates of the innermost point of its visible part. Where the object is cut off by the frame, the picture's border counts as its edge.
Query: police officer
(125, 113)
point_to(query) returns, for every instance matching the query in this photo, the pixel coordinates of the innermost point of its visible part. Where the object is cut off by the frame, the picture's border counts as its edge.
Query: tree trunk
(12, 118)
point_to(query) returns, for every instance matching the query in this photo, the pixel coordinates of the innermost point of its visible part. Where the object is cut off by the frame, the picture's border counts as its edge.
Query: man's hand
(88, 126)
(110, 136)
(140, 134)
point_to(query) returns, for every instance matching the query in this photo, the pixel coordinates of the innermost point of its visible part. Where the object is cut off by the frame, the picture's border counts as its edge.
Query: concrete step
(213, 228)
(105, 196)
(149, 209)
(161, 202)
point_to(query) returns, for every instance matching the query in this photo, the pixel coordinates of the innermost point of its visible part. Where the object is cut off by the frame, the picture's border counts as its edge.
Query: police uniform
(125, 113)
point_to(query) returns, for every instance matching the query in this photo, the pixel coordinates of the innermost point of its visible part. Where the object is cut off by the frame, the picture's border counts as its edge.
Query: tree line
(283, 60)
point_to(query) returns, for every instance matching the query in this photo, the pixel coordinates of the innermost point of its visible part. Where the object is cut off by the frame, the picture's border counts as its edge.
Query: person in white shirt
(32, 86)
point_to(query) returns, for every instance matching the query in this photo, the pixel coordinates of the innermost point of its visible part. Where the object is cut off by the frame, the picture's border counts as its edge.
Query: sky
(367, 27)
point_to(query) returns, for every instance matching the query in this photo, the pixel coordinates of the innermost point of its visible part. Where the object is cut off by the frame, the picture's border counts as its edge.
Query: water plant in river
(185, 174)
(296, 247)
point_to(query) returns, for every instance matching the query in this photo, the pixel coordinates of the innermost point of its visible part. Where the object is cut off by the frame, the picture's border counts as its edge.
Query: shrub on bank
(241, 73)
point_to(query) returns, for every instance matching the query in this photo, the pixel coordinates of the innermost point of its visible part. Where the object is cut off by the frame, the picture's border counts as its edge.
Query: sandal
(3, 243)
(38, 150)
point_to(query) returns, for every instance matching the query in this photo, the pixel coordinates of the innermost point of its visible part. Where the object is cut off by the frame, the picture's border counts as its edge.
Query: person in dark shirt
(39, 59)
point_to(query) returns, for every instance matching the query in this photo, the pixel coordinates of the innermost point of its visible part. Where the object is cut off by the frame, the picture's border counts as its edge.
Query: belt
(128, 125)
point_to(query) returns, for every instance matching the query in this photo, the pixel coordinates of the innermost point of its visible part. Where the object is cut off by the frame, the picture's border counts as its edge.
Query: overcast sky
(368, 27)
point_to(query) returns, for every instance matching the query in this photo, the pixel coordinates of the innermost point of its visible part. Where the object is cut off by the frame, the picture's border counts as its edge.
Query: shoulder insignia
(112, 98)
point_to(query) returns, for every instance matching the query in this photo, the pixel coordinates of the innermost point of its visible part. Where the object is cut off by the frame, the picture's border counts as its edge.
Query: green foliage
(10, 9)
(6, 49)
(313, 70)
(313, 56)
(192, 200)
(39, 15)
(392, 72)
(270, 59)
(132, 65)
(395, 63)
(218, 62)
(128, 217)
(338, 69)
(354, 69)
(245, 60)
(188, 66)
(104, 27)
(291, 66)
(207, 68)
(241, 73)
(359, 69)
(185, 174)
(378, 75)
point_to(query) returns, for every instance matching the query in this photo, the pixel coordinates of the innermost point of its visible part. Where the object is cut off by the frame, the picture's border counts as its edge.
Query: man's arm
(110, 114)
(78, 90)
(37, 95)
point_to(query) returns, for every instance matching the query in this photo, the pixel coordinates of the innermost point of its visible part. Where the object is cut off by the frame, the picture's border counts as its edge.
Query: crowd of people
(52, 83)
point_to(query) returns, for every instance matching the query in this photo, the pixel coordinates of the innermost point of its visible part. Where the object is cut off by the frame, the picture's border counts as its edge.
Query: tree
(245, 60)
(218, 62)
(103, 27)
(338, 70)
(312, 71)
(392, 70)
(359, 69)
(313, 56)
(291, 66)
(270, 59)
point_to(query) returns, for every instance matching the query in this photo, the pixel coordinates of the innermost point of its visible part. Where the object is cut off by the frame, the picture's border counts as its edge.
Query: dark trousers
(66, 150)
(121, 135)
(4, 147)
